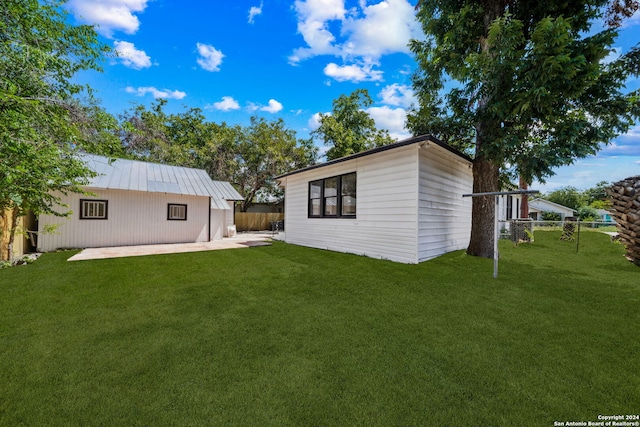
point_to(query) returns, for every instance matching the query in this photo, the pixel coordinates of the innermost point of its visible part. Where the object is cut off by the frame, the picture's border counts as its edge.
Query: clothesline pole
(496, 230)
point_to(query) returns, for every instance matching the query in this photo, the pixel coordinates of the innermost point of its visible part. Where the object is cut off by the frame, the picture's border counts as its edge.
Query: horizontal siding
(385, 225)
(134, 218)
(444, 219)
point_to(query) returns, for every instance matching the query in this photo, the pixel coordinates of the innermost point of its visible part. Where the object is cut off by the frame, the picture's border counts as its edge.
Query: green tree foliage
(144, 133)
(349, 129)
(248, 157)
(568, 196)
(42, 122)
(601, 204)
(587, 213)
(526, 86)
(597, 193)
(571, 197)
(267, 149)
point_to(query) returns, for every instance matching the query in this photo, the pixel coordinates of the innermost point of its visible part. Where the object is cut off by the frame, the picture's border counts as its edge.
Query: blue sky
(289, 60)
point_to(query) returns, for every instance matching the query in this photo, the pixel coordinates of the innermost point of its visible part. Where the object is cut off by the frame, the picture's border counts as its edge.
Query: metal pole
(496, 231)
(496, 236)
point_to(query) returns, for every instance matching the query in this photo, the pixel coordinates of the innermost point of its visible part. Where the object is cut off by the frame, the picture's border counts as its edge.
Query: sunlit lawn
(285, 335)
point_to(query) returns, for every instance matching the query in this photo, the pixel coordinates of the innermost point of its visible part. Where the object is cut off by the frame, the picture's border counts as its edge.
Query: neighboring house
(537, 206)
(509, 205)
(139, 203)
(605, 216)
(401, 202)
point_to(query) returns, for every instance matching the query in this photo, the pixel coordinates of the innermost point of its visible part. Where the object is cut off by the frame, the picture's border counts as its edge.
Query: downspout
(209, 226)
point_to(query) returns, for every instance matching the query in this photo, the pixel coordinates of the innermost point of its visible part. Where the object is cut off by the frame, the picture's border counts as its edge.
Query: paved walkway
(242, 240)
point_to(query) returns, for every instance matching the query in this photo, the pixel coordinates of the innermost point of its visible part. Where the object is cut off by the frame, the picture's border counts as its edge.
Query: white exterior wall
(444, 215)
(515, 207)
(134, 218)
(229, 217)
(218, 227)
(386, 207)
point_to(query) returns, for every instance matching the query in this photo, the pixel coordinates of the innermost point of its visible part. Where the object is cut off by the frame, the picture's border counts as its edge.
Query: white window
(177, 212)
(93, 209)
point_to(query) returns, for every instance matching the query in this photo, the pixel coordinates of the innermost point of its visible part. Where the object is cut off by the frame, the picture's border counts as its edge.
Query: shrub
(587, 213)
(550, 216)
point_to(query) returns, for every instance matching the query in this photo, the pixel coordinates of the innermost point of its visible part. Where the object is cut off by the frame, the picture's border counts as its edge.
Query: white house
(509, 207)
(537, 206)
(401, 202)
(138, 203)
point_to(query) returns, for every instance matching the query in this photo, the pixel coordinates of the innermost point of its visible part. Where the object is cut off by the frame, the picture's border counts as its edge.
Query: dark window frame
(106, 209)
(319, 198)
(170, 205)
(339, 197)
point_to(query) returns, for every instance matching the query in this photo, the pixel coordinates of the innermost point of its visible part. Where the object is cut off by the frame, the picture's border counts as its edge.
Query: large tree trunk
(485, 179)
(5, 230)
(14, 227)
(524, 205)
(486, 174)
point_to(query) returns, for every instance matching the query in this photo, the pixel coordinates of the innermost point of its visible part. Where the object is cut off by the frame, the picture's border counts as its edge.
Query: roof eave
(403, 143)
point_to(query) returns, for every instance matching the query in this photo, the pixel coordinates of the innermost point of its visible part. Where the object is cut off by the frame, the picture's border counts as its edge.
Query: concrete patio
(242, 240)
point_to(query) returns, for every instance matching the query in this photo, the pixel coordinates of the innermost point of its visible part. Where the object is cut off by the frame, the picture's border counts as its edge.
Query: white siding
(503, 209)
(229, 217)
(444, 215)
(134, 218)
(218, 226)
(386, 208)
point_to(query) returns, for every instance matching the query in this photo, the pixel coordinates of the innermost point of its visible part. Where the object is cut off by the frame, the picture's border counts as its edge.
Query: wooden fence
(251, 221)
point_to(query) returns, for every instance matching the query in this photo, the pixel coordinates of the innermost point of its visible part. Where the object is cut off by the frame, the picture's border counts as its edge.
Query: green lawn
(285, 335)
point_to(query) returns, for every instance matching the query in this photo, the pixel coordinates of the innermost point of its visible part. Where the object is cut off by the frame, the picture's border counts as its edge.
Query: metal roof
(121, 174)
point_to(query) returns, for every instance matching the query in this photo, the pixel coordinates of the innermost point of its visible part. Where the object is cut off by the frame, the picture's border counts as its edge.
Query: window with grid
(93, 209)
(177, 212)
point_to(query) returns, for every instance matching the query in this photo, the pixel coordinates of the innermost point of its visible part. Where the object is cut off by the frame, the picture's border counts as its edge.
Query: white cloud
(366, 32)
(385, 28)
(313, 25)
(633, 20)
(353, 73)
(391, 119)
(227, 104)
(314, 122)
(130, 56)
(156, 93)
(273, 107)
(398, 95)
(627, 144)
(109, 15)
(254, 11)
(210, 57)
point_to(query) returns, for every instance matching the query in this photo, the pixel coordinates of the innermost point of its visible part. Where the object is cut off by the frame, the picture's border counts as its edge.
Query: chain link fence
(523, 230)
